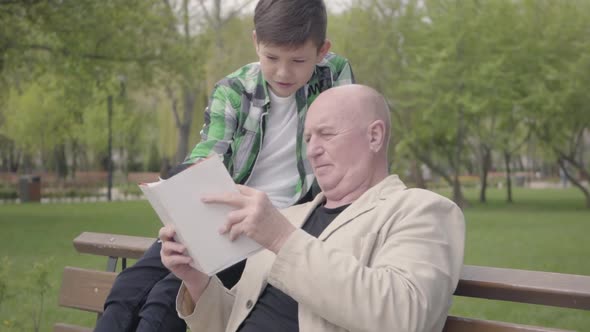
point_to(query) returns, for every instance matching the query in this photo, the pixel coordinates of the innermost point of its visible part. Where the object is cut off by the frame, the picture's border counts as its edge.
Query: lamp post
(122, 79)
(110, 148)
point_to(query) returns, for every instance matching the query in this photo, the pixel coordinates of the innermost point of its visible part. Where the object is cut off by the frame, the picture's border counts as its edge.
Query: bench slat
(85, 289)
(461, 324)
(113, 245)
(59, 327)
(547, 288)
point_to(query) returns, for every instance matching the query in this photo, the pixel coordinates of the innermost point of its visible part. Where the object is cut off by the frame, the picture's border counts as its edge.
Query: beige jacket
(389, 262)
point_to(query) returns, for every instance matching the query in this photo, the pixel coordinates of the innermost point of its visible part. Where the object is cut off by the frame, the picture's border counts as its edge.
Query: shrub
(8, 193)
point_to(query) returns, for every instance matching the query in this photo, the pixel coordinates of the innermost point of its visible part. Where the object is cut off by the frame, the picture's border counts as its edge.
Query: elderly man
(368, 254)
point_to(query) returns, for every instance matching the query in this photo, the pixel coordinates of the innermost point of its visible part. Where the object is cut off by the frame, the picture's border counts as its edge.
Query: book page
(177, 201)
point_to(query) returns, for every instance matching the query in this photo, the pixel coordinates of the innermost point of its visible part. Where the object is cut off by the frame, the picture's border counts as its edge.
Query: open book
(177, 201)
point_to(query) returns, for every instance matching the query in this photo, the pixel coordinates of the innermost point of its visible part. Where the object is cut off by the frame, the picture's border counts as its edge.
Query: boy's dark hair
(290, 22)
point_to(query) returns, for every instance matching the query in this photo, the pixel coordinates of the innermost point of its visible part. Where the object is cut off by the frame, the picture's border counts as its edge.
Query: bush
(35, 291)
(8, 193)
(129, 189)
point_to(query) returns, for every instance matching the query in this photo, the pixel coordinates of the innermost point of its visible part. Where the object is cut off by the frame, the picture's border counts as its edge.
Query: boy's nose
(283, 71)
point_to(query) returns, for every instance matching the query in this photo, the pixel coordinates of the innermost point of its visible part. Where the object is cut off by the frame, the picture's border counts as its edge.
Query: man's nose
(313, 148)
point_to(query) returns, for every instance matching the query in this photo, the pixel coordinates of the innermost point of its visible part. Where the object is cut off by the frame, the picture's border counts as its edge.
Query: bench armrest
(112, 245)
(547, 288)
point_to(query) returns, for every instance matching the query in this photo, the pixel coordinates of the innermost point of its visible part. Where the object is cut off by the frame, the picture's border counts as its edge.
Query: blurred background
(489, 100)
(483, 93)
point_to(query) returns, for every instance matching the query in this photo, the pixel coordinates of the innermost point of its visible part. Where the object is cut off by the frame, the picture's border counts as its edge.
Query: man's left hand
(255, 217)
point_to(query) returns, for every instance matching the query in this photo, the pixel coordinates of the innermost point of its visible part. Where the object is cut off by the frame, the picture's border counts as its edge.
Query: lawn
(543, 230)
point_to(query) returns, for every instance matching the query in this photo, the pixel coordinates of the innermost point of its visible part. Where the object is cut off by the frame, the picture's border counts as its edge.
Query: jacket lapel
(363, 204)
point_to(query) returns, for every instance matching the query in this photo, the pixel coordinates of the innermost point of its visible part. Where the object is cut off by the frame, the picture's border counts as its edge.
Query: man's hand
(255, 217)
(174, 257)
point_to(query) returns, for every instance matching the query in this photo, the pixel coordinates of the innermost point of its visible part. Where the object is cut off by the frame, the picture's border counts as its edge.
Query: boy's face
(287, 69)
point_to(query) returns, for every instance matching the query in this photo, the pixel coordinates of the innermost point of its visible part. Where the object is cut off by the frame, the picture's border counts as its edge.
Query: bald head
(360, 104)
(347, 134)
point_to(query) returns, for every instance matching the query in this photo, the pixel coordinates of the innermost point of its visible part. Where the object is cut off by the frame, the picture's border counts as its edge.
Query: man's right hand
(175, 258)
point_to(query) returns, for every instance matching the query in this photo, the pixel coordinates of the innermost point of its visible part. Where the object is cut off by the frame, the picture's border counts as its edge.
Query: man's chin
(324, 182)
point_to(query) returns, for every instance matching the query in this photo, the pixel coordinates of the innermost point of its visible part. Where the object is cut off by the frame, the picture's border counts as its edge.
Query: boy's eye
(299, 61)
(271, 58)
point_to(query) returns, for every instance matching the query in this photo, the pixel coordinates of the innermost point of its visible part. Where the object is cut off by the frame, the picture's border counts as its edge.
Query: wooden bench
(87, 289)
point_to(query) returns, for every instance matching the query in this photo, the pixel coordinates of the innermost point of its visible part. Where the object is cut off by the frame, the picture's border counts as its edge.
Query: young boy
(255, 121)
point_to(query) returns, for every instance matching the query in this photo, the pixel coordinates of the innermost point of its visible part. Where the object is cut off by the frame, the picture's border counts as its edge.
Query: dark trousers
(143, 297)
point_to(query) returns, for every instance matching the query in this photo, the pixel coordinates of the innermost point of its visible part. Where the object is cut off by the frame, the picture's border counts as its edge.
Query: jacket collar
(363, 204)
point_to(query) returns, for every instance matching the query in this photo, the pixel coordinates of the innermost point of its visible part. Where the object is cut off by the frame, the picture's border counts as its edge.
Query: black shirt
(275, 310)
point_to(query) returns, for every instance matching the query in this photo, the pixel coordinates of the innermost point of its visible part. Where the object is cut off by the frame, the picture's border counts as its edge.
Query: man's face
(287, 69)
(337, 145)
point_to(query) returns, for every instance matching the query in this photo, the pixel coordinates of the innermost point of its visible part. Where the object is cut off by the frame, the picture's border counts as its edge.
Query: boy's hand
(254, 217)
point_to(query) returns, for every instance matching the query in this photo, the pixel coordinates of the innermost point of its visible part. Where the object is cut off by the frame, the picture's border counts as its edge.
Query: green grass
(543, 230)
(35, 233)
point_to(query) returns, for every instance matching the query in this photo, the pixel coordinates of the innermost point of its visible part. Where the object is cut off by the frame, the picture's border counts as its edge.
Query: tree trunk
(521, 167)
(486, 161)
(417, 174)
(14, 160)
(458, 197)
(184, 125)
(27, 166)
(74, 167)
(507, 158)
(110, 147)
(61, 163)
(574, 180)
(12, 157)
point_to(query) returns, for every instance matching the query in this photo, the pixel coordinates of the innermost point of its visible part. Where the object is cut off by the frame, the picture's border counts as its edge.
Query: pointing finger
(245, 190)
(231, 199)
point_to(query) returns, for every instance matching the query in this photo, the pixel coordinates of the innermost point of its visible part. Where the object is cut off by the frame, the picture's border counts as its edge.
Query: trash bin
(29, 188)
(519, 180)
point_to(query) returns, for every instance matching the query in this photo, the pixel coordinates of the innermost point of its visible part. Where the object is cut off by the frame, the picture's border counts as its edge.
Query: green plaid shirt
(234, 118)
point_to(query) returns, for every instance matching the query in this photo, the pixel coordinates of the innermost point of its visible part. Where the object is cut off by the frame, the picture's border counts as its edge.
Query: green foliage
(31, 295)
(153, 163)
(461, 76)
(38, 286)
(464, 74)
(8, 192)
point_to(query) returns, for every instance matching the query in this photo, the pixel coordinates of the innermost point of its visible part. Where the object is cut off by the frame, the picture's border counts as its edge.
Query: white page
(197, 223)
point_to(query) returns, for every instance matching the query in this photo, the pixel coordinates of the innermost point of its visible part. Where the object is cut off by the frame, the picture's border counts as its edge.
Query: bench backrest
(87, 289)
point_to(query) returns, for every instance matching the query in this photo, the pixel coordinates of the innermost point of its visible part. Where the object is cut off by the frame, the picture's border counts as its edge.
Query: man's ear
(324, 50)
(376, 135)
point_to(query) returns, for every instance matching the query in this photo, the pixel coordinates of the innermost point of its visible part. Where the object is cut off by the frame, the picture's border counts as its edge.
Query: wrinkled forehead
(331, 113)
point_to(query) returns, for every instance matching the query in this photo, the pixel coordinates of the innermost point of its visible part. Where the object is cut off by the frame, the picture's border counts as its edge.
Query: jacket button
(249, 304)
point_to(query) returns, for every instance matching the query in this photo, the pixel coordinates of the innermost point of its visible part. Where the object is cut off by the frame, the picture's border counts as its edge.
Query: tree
(557, 101)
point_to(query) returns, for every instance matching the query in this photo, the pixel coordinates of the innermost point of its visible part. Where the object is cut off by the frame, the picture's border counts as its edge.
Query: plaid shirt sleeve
(220, 124)
(345, 75)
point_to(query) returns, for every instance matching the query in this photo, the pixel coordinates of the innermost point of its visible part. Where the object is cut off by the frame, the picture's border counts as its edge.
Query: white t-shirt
(275, 171)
